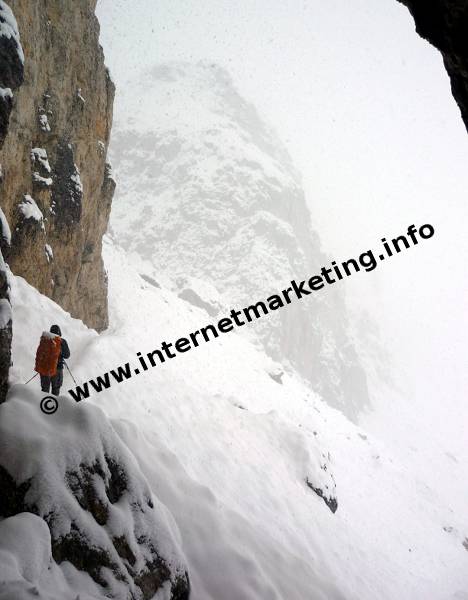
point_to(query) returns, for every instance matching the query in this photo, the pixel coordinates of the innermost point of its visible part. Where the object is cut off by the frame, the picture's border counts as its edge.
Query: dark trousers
(56, 382)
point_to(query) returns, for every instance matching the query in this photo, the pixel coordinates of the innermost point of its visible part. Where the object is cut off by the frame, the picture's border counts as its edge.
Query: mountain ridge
(208, 193)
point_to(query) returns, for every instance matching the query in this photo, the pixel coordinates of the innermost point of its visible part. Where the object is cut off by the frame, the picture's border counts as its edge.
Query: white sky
(363, 104)
(365, 108)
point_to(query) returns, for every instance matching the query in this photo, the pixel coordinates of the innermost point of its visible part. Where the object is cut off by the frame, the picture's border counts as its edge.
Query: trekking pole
(68, 369)
(31, 378)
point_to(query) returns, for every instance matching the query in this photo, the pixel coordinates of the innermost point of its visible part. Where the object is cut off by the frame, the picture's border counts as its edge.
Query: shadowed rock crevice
(12, 495)
(67, 190)
(80, 552)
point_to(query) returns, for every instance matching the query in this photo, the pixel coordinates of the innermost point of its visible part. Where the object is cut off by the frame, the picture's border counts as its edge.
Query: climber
(50, 358)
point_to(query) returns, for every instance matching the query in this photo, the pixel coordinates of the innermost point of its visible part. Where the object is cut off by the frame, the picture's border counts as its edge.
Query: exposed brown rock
(64, 109)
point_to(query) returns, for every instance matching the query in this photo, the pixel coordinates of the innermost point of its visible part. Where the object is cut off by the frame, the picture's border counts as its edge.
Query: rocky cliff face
(210, 201)
(11, 77)
(57, 189)
(444, 24)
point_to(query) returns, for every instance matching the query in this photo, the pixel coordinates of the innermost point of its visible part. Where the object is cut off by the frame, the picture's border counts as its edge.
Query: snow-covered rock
(9, 29)
(25, 550)
(207, 191)
(30, 210)
(5, 230)
(40, 161)
(39, 156)
(5, 313)
(49, 252)
(72, 470)
(12, 60)
(11, 78)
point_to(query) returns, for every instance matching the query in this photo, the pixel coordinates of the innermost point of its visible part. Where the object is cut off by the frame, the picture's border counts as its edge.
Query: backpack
(48, 353)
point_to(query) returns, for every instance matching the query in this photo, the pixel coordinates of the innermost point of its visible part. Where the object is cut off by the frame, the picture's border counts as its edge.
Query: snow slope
(228, 450)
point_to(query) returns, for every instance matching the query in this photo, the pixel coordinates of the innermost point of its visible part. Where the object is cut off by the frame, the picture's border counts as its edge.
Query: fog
(364, 107)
